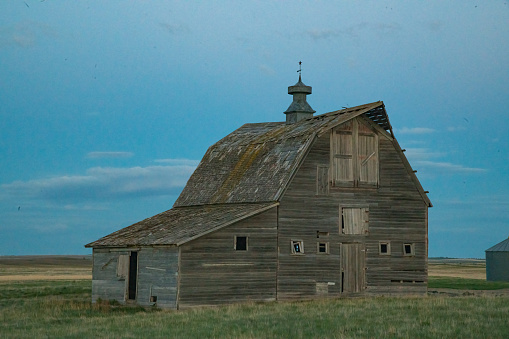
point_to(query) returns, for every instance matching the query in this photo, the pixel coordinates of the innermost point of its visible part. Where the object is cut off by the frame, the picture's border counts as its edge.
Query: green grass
(465, 284)
(62, 309)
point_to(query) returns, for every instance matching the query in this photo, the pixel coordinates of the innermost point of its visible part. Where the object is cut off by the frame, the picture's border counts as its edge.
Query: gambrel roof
(244, 174)
(256, 162)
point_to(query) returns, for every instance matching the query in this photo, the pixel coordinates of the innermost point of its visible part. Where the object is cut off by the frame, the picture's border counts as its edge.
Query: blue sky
(107, 106)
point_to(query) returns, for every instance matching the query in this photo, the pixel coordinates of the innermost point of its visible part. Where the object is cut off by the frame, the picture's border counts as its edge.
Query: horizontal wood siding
(397, 213)
(212, 272)
(156, 276)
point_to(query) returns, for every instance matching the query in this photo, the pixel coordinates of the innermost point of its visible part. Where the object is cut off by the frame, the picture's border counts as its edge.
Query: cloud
(353, 31)
(103, 183)
(417, 154)
(448, 167)
(415, 130)
(456, 129)
(109, 155)
(25, 34)
(177, 162)
(423, 158)
(267, 70)
(317, 34)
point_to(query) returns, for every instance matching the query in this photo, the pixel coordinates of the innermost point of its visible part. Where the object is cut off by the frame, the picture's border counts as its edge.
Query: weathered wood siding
(157, 276)
(212, 272)
(397, 214)
(106, 285)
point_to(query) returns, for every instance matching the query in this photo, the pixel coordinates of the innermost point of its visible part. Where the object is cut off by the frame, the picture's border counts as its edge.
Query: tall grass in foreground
(28, 310)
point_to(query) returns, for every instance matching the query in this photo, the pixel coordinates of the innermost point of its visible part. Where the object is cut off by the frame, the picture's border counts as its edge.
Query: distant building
(319, 206)
(497, 262)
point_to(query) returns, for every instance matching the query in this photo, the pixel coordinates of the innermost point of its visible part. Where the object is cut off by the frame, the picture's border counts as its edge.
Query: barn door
(133, 275)
(353, 274)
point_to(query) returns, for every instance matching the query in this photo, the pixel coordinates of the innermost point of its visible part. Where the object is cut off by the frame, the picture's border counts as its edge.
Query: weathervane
(300, 68)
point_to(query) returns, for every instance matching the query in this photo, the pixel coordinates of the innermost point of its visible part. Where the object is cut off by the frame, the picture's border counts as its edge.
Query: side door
(353, 267)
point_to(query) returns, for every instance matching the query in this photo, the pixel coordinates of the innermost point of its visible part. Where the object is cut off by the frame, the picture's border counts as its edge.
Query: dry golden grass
(24, 268)
(457, 268)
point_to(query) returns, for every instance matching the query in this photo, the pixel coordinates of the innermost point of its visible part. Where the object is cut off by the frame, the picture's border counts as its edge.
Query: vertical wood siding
(397, 213)
(156, 275)
(106, 284)
(212, 272)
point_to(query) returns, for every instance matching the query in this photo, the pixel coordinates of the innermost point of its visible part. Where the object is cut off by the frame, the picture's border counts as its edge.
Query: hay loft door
(353, 272)
(133, 273)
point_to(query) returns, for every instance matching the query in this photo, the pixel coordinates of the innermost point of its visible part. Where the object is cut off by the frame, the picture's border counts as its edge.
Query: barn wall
(497, 266)
(105, 283)
(397, 214)
(156, 276)
(212, 272)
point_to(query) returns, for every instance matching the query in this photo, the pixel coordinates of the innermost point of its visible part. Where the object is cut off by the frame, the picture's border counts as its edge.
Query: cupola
(299, 109)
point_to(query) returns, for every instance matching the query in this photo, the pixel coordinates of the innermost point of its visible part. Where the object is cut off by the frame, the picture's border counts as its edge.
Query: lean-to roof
(180, 225)
(256, 162)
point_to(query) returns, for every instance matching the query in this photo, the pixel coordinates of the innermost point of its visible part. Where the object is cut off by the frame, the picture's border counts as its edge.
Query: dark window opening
(384, 248)
(323, 247)
(241, 243)
(153, 299)
(408, 249)
(297, 247)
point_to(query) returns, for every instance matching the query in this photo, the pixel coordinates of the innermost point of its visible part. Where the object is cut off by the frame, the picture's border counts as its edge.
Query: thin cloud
(109, 155)
(178, 162)
(319, 34)
(416, 154)
(415, 130)
(424, 158)
(456, 129)
(267, 70)
(353, 31)
(104, 183)
(448, 167)
(25, 34)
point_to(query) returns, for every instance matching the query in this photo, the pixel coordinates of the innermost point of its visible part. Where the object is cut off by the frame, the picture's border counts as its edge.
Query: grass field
(45, 308)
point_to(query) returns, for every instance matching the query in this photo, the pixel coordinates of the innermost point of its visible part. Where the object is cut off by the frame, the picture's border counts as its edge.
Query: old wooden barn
(314, 207)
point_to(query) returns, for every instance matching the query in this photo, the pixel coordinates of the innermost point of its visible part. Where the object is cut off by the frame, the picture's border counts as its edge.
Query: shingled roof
(180, 225)
(256, 162)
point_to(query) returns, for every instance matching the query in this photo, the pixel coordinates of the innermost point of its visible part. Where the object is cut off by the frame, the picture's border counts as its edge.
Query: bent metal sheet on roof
(180, 225)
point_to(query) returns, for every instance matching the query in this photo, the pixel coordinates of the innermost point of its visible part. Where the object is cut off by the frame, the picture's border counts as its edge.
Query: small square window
(240, 243)
(408, 249)
(384, 248)
(297, 247)
(322, 248)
